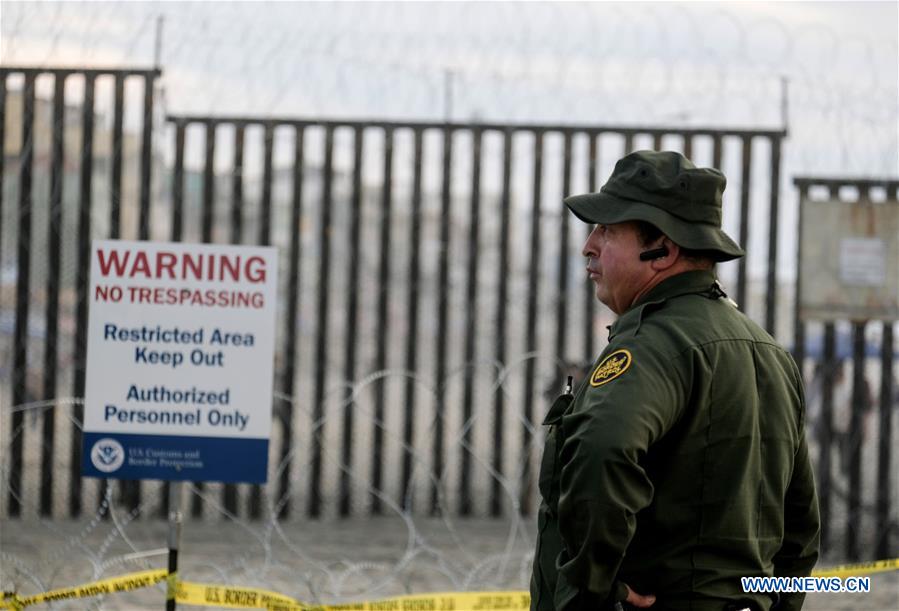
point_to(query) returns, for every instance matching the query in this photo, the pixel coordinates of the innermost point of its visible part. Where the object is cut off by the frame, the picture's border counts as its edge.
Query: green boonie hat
(663, 188)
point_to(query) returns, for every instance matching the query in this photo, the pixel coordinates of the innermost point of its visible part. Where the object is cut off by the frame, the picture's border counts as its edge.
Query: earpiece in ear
(656, 253)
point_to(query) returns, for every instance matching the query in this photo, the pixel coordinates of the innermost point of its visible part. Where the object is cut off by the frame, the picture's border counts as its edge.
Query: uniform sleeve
(802, 525)
(603, 484)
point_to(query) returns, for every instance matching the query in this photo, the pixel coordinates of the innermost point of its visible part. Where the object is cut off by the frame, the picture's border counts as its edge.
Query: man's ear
(663, 263)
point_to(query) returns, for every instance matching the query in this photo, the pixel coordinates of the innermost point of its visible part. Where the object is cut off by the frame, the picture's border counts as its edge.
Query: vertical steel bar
(146, 162)
(265, 218)
(208, 184)
(129, 490)
(413, 297)
(291, 315)
(81, 286)
(207, 219)
(745, 185)
(3, 76)
(717, 151)
(442, 320)
(657, 141)
(382, 322)
(20, 391)
(771, 288)
(237, 187)
(321, 352)
(230, 494)
(717, 154)
(115, 210)
(51, 349)
(564, 246)
(860, 399)
(352, 316)
(884, 449)
(178, 188)
(496, 492)
(471, 323)
(177, 232)
(825, 436)
(265, 239)
(527, 414)
(798, 323)
(589, 288)
(628, 143)
(688, 147)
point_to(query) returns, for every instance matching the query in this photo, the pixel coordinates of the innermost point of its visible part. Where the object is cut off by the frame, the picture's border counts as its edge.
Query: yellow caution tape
(123, 583)
(171, 586)
(231, 597)
(862, 568)
(228, 597)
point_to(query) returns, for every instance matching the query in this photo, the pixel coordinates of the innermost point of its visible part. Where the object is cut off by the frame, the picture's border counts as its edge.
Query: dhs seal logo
(107, 455)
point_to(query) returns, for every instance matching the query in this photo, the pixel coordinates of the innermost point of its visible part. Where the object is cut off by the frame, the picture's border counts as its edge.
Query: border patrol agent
(680, 465)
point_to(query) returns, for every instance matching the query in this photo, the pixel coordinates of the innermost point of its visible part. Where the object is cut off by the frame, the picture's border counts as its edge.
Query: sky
(686, 64)
(691, 63)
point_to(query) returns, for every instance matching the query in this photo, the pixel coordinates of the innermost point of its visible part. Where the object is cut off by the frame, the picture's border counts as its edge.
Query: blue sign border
(174, 458)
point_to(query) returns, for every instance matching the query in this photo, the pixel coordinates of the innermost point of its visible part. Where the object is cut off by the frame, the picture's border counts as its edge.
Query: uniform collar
(687, 283)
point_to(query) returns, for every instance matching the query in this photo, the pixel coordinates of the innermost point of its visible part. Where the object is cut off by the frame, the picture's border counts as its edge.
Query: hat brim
(605, 209)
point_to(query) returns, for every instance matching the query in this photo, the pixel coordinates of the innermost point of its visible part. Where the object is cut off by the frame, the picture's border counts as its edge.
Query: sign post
(179, 366)
(175, 518)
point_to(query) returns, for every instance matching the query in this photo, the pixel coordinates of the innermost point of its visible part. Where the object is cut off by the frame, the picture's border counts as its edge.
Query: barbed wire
(612, 63)
(413, 553)
(533, 62)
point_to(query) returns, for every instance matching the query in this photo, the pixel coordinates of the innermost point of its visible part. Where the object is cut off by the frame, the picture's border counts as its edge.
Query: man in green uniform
(680, 465)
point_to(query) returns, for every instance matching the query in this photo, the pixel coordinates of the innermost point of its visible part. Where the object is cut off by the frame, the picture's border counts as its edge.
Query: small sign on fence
(179, 361)
(850, 260)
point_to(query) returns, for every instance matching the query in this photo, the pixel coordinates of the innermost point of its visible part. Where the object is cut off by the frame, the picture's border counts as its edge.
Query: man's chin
(605, 299)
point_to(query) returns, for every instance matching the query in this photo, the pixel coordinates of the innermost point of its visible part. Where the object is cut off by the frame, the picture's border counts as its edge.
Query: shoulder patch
(611, 367)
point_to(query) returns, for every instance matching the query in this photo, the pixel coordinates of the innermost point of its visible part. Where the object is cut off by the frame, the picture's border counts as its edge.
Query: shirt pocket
(552, 445)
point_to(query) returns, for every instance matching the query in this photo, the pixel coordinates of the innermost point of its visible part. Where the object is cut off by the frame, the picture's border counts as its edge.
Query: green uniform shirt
(680, 465)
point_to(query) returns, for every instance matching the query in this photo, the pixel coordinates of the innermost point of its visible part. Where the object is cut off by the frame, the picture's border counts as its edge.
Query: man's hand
(639, 600)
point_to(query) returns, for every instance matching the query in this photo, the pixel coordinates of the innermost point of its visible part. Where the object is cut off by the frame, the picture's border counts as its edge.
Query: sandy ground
(325, 561)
